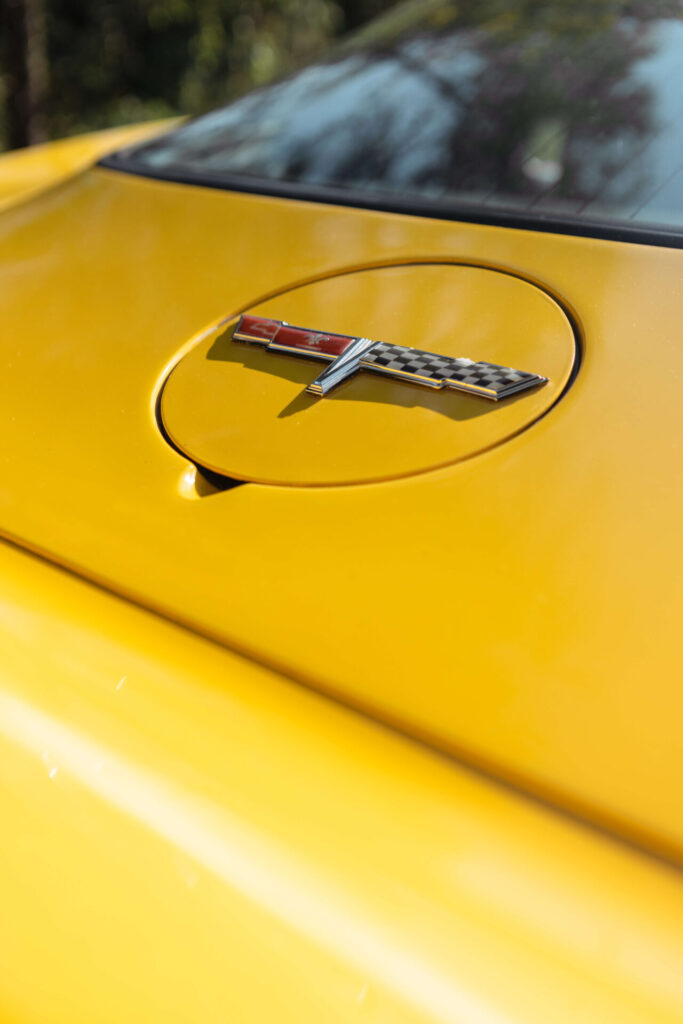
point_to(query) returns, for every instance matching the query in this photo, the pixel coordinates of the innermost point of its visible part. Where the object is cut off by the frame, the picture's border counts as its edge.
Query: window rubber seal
(621, 231)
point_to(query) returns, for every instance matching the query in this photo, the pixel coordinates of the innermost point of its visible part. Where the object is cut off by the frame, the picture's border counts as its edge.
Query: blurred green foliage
(68, 66)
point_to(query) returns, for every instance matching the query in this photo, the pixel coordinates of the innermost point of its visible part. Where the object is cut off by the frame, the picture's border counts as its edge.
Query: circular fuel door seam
(401, 356)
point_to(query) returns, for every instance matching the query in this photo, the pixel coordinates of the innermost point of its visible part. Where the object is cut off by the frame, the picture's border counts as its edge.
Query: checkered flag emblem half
(347, 355)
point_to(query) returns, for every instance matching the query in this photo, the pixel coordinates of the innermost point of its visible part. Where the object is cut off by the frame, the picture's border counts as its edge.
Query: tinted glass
(556, 109)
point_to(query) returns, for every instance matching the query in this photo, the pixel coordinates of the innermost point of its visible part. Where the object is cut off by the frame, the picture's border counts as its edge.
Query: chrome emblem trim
(347, 355)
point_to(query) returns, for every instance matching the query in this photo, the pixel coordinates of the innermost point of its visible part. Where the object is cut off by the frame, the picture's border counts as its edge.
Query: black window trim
(621, 231)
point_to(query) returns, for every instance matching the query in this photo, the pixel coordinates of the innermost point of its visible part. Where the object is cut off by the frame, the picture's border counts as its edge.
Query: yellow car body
(257, 766)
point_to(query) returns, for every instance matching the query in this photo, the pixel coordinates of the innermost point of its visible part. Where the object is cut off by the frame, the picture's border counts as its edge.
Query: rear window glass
(567, 111)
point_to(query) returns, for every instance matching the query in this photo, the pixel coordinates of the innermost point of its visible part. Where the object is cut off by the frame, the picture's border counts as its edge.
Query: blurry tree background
(68, 66)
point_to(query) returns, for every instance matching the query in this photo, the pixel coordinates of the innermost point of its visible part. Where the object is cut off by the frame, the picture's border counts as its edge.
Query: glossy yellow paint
(520, 609)
(240, 410)
(26, 172)
(189, 837)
